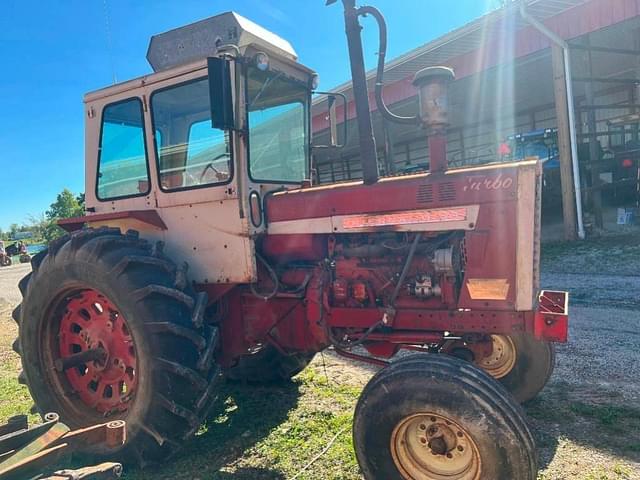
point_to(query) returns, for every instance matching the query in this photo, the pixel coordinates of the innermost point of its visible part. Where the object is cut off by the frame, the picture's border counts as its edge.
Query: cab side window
(190, 153)
(122, 159)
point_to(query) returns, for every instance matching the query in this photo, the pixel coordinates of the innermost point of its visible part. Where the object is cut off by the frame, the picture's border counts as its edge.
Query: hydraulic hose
(405, 269)
(382, 107)
(274, 278)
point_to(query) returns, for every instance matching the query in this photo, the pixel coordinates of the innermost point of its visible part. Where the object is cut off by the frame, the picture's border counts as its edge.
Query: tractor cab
(196, 146)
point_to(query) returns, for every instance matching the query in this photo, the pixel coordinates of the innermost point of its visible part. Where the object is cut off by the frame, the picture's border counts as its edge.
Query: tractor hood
(202, 39)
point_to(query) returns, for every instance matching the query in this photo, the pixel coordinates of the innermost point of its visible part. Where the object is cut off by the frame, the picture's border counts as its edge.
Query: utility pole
(564, 143)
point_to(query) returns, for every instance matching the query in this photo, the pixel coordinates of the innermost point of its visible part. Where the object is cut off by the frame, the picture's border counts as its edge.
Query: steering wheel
(219, 175)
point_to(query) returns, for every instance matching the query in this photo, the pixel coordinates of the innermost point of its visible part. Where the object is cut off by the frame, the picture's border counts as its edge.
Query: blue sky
(52, 52)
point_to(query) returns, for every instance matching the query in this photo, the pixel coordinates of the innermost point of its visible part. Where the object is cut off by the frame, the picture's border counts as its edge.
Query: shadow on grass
(242, 417)
(594, 419)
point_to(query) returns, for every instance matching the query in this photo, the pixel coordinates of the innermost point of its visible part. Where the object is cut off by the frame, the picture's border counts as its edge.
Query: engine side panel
(495, 209)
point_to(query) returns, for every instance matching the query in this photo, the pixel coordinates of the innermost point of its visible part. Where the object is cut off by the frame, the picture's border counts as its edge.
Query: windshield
(278, 127)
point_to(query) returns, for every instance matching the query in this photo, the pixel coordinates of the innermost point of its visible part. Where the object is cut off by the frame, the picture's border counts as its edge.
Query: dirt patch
(8, 333)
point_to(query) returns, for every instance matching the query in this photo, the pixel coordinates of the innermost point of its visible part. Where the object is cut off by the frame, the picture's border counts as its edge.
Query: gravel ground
(9, 278)
(604, 335)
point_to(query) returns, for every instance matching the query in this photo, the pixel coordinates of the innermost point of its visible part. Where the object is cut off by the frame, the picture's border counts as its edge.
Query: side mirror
(332, 103)
(220, 93)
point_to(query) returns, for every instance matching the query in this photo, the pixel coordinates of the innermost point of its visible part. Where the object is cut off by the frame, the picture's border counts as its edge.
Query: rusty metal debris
(36, 453)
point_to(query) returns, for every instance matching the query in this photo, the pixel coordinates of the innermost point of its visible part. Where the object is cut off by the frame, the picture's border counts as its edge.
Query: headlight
(262, 61)
(315, 81)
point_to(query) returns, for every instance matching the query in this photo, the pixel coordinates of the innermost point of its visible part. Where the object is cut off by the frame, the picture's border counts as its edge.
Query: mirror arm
(332, 124)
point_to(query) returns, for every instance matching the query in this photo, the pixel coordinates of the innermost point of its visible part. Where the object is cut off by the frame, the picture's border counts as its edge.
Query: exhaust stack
(433, 85)
(368, 152)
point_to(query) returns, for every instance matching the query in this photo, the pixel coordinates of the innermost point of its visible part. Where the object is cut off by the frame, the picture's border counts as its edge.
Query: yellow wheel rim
(502, 359)
(428, 446)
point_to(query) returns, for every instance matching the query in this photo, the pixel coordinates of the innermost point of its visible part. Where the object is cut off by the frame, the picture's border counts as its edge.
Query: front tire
(431, 417)
(523, 366)
(521, 363)
(102, 289)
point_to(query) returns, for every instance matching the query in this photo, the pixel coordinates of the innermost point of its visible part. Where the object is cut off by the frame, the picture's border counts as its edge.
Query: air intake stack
(433, 85)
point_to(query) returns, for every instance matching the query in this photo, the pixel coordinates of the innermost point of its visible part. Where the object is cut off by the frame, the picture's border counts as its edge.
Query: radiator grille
(425, 194)
(446, 191)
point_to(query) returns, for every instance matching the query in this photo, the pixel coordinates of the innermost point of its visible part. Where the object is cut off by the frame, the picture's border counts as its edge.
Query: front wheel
(520, 362)
(432, 417)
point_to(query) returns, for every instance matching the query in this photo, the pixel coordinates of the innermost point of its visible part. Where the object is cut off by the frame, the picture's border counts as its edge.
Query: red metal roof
(494, 38)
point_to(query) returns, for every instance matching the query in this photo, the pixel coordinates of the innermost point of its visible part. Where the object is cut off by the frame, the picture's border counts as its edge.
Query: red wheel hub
(90, 321)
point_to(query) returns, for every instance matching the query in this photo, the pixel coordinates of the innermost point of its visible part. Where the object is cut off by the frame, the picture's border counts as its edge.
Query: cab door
(196, 183)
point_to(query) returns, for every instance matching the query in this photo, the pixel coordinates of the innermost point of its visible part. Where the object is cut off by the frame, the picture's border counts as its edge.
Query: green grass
(14, 398)
(618, 472)
(611, 416)
(271, 433)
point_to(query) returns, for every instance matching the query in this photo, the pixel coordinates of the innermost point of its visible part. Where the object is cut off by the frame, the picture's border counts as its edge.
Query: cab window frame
(306, 105)
(144, 145)
(155, 129)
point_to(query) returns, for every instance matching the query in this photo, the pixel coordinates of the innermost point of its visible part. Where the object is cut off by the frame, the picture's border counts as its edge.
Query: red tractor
(206, 252)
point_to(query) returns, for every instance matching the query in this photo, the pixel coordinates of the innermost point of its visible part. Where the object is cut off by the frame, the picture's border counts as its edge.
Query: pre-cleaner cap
(202, 39)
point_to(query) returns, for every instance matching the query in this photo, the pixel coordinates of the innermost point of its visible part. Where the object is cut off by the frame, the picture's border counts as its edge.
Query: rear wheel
(109, 328)
(419, 419)
(268, 365)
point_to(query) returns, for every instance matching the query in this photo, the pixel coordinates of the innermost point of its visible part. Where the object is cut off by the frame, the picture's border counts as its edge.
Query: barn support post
(567, 139)
(564, 148)
(594, 159)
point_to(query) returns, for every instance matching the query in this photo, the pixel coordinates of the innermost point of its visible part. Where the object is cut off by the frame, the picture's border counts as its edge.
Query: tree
(67, 205)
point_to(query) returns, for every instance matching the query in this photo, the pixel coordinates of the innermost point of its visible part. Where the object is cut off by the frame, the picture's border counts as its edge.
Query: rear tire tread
(179, 331)
(180, 370)
(15, 314)
(137, 260)
(174, 293)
